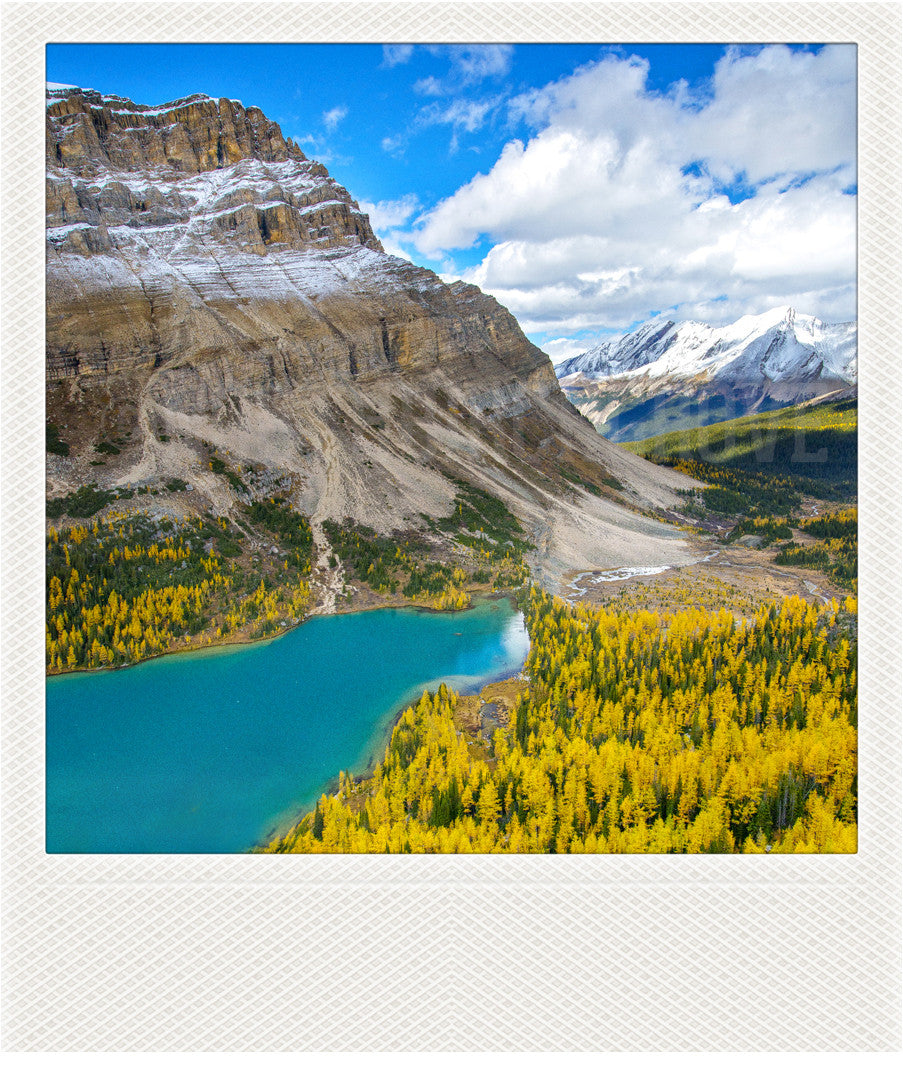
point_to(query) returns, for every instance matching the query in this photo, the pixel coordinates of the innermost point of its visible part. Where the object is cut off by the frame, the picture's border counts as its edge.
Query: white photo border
(432, 953)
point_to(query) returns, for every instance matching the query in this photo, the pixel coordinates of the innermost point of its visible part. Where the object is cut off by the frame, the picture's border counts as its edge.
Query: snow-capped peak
(778, 345)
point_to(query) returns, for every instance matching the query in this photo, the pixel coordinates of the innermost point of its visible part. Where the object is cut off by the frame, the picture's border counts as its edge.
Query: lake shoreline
(221, 752)
(331, 786)
(226, 644)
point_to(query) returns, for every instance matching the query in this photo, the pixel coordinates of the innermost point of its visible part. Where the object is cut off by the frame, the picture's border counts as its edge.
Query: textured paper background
(266, 953)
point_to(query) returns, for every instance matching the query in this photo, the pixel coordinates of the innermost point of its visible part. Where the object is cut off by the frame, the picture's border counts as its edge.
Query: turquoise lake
(208, 752)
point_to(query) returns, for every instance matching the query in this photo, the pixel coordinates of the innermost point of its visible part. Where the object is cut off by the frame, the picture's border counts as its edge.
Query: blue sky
(588, 187)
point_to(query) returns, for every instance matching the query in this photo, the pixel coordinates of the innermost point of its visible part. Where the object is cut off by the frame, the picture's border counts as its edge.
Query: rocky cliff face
(210, 286)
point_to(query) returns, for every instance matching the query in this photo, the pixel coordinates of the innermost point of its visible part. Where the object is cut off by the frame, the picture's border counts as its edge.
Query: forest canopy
(687, 731)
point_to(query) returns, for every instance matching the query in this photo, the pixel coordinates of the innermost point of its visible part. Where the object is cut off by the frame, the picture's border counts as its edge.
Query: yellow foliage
(642, 732)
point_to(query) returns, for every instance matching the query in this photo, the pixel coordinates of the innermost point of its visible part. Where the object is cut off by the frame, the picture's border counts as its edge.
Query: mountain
(212, 290)
(811, 446)
(667, 376)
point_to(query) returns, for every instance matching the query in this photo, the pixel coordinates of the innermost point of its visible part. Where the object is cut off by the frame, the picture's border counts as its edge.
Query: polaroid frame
(484, 952)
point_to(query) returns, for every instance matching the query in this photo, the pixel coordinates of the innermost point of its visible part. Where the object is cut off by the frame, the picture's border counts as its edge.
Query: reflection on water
(515, 639)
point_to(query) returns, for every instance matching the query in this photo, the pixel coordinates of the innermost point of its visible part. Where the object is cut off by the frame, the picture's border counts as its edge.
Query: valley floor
(737, 578)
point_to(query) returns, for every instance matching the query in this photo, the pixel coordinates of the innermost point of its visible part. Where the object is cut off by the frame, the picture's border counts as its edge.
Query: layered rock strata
(208, 286)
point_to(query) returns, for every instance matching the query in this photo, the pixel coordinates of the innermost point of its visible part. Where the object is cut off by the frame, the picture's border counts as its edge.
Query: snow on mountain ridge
(161, 210)
(55, 89)
(778, 345)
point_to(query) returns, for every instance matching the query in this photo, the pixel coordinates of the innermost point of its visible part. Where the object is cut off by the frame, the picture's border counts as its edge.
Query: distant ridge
(668, 375)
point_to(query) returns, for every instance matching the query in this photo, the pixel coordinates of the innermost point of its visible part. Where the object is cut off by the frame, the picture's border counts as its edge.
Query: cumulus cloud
(622, 202)
(334, 116)
(781, 112)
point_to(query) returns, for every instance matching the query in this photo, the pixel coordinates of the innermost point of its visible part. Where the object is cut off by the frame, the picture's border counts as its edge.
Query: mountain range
(211, 290)
(666, 375)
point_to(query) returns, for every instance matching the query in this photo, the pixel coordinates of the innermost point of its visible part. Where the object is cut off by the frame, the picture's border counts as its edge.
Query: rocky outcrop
(87, 132)
(207, 285)
(156, 255)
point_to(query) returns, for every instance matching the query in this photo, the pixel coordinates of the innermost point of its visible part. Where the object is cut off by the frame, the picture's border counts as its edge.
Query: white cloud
(429, 86)
(469, 64)
(315, 147)
(334, 116)
(615, 207)
(779, 112)
(463, 114)
(394, 144)
(392, 247)
(387, 217)
(394, 54)
(475, 62)
(561, 348)
(390, 214)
